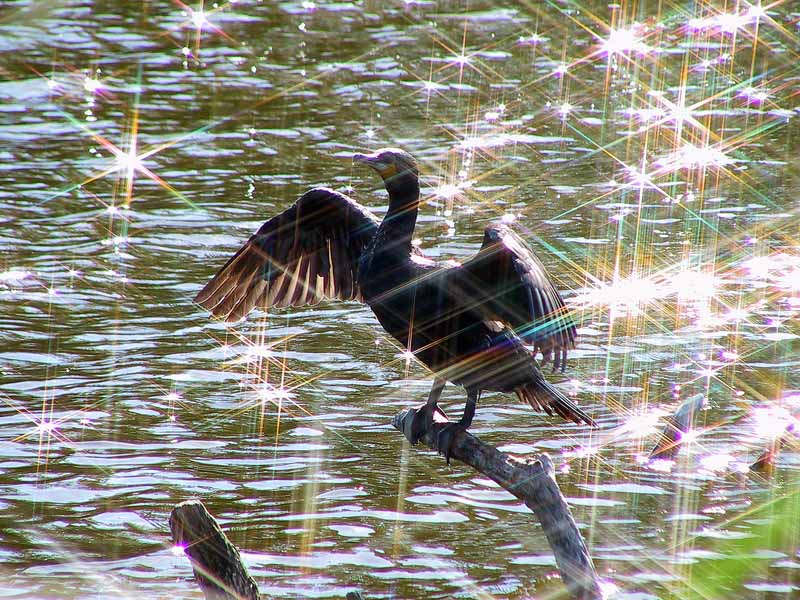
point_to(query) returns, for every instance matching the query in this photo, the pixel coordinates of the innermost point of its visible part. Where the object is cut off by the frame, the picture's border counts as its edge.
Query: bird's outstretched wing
(307, 253)
(508, 283)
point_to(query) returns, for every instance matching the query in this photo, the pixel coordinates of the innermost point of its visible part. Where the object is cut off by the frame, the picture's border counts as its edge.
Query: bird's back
(425, 312)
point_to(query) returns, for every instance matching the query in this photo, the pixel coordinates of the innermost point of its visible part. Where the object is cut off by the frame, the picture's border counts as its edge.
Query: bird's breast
(382, 274)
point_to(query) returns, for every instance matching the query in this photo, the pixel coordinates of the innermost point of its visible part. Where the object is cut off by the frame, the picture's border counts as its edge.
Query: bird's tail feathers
(545, 396)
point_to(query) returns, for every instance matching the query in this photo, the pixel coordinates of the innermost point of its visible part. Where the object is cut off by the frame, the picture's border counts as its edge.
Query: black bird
(468, 324)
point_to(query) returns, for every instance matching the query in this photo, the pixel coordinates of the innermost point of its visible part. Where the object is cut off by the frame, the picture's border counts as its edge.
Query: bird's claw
(420, 423)
(423, 420)
(429, 418)
(446, 436)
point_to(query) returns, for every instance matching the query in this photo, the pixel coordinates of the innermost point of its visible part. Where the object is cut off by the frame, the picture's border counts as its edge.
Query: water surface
(649, 157)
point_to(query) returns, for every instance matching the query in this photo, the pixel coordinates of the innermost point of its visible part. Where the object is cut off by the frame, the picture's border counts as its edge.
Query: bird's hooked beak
(385, 169)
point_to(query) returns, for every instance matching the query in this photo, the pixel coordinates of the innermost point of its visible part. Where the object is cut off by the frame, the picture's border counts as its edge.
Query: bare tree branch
(534, 483)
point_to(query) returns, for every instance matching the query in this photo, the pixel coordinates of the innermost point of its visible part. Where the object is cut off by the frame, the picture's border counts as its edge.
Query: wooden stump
(216, 563)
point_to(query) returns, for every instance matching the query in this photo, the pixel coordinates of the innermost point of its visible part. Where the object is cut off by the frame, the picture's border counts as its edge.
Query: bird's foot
(422, 422)
(446, 437)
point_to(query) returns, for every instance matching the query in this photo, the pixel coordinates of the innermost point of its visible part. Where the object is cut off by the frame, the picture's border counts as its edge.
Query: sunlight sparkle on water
(729, 355)
(639, 177)
(647, 114)
(532, 39)
(624, 296)
(694, 285)
(690, 156)
(771, 421)
(274, 394)
(128, 161)
(92, 85)
(661, 465)
(736, 314)
(620, 215)
(727, 22)
(782, 267)
(46, 426)
(408, 357)
(199, 18)
(116, 241)
(689, 437)
(680, 114)
(789, 280)
(716, 462)
(620, 41)
(565, 109)
(446, 191)
(255, 352)
(731, 22)
(608, 589)
(14, 275)
(172, 397)
(754, 95)
(642, 424)
(707, 372)
(582, 452)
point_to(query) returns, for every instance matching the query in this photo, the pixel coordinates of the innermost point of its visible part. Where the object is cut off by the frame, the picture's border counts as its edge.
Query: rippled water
(655, 171)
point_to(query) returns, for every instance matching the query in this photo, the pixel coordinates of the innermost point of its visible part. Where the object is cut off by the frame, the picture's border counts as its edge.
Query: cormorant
(468, 324)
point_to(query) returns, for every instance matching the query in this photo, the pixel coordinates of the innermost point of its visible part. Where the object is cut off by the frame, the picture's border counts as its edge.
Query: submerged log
(216, 563)
(765, 463)
(677, 424)
(534, 483)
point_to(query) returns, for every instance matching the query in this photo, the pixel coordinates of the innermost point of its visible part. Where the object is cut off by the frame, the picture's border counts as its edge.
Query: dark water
(655, 173)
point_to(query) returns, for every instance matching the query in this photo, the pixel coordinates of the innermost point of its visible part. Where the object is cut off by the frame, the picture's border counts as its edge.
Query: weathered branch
(680, 422)
(533, 483)
(216, 563)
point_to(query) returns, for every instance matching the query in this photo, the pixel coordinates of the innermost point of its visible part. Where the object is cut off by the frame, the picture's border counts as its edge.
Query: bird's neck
(401, 218)
(386, 264)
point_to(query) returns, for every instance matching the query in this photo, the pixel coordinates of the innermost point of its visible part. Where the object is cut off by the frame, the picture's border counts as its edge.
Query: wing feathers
(248, 302)
(307, 253)
(513, 287)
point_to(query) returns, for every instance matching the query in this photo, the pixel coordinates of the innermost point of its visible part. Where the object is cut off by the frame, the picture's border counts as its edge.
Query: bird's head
(390, 163)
